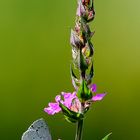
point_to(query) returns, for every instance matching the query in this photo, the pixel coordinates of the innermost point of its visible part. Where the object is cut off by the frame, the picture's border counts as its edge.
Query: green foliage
(69, 115)
(75, 81)
(82, 62)
(106, 137)
(90, 76)
(84, 92)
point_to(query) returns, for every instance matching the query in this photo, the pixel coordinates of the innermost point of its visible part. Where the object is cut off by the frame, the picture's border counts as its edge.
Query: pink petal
(93, 87)
(52, 109)
(68, 98)
(98, 97)
(57, 98)
(80, 9)
(49, 111)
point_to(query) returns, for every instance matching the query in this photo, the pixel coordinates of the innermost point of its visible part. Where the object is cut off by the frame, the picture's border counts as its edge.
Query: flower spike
(75, 105)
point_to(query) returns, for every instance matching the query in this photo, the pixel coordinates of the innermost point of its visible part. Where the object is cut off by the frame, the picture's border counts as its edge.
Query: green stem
(79, 128)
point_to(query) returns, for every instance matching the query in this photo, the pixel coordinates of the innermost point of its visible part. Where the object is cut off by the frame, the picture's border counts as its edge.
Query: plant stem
(79, 128)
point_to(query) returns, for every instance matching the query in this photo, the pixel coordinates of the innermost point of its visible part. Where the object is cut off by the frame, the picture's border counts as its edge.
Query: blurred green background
(35, 56)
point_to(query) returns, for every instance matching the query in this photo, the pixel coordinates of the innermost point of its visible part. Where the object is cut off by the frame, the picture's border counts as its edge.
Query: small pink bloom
(93, 87)
(53, 108)
(67, 101)
(98, 97)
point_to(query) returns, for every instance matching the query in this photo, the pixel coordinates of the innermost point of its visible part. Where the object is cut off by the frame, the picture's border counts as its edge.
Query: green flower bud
(84, 93)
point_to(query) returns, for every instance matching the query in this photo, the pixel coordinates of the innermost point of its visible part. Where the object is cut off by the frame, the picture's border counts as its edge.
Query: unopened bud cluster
(82, 48)
(75, 105)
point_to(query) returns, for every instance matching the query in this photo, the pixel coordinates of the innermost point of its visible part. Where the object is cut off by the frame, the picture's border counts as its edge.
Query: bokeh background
(35, 56)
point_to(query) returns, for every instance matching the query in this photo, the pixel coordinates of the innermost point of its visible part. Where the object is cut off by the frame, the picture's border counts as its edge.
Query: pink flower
(71, 101)
(69, 98)
(97, 97)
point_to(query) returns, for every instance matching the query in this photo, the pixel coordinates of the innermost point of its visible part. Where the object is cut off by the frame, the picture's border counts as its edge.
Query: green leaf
(107, 136)
(91, 74)
(75, 56)
(83, 63)
(84, 92)
(70, 120)
(70, 115)
(78, 59)
(75, 81)
(91, 4)
(85, 30)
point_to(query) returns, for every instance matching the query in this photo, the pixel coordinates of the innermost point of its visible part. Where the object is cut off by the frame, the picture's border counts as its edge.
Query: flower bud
(80, 10)
(79, 59)
(88, 50)
(75, 40)
(84, 93)
(91, 15)
(86, 1)
(86, 10)
(70, 115)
